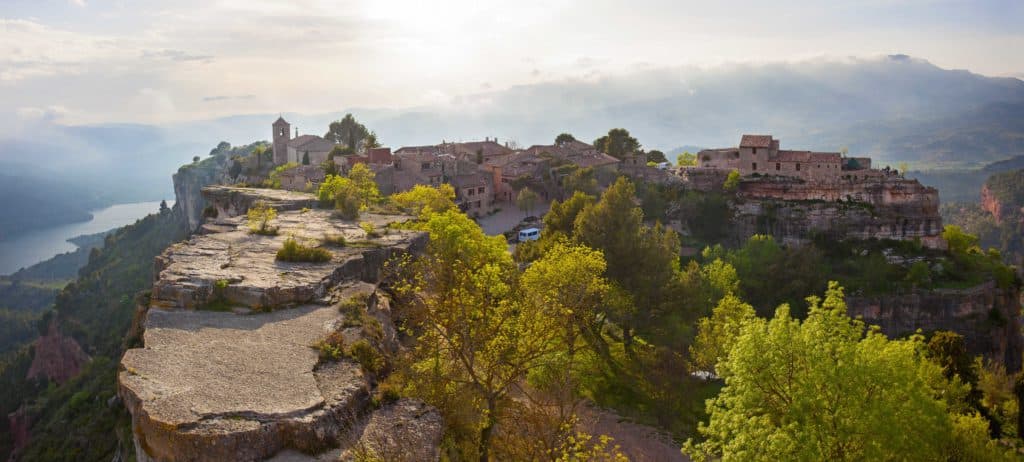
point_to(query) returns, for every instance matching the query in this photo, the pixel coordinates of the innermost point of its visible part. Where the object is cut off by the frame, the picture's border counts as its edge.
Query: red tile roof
(756, 141)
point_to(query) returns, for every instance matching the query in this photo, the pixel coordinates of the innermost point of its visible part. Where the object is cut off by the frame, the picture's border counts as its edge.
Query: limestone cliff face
(228, 367)
(987, 316)
(795, 211)
(20, 423)
(992, 204)
(56, 357)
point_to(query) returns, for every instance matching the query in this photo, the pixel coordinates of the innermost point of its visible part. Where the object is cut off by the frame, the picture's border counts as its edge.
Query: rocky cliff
(986, 315)
(56, 357)
(794, 211)
(229, 367)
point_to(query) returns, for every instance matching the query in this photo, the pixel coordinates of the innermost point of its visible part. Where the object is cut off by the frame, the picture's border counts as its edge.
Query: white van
(529, 234)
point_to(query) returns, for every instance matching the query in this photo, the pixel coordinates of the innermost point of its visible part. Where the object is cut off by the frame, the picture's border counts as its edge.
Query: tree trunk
(487, 430)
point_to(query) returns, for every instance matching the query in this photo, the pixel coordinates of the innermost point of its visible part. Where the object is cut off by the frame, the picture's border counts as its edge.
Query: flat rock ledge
(242, 381)
(230, 201)
(237, 268)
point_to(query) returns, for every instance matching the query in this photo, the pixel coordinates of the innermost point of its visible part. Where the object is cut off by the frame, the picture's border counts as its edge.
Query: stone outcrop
(57, 357)
(986, 315)
(20, 426)
(231, 201)
(228, 368)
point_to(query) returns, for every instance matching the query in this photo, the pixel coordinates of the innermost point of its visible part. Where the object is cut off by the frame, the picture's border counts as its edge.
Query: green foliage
(716, 335)
(305, 158)
(331, 348)
(274, 181)
(363, 179)
(348, 132)
(260, 215)
(732, 181)
(293, 251)
(561, 217)
(656, 157)
(826, 389)
(617, 143)
(564, 138)
(367, 356)
(527, 200)
(686, 160)
(368, 228)
(581, 180)
(335, 239)
(343, 194)
(422, 200)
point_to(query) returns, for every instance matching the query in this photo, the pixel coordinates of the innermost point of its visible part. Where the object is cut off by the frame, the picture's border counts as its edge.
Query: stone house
(760, 155)
(473, 193)
(302, 178)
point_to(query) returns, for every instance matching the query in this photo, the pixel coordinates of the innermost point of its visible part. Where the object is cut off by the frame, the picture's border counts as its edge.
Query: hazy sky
(86, 61)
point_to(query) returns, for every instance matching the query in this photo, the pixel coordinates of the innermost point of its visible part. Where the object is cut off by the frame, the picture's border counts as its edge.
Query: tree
(716, 334)
(960, 243)
(829, 388)
(363, 179)
(329, 167)
(423, 200)
(341, 193)
(348, 132)
(527, 200)
(686, 160)
(732, 181)
(477, 340)
(581, 180)
(258, 152)
(370, 141)
(221, 148)
(195, 159)
(305, 158)
(561, 217)
(564, 138)
(340, 150)
(164, 209)
(656, 156)
(617, 143)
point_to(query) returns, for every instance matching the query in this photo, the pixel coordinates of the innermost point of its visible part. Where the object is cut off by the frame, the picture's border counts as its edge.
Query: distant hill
(32, 202)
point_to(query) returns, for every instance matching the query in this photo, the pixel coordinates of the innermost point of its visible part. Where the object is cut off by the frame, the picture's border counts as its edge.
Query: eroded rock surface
(229, 369)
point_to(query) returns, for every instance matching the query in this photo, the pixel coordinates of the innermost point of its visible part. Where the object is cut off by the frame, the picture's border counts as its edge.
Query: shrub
(294, 252)
(260, 215)
(343, 194)
(732, 181)
(335, 239)
(367, 356)
(275, 176)
(367, 227)
(331, 348)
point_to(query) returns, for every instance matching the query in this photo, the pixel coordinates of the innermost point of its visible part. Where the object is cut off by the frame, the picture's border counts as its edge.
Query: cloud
(78, 3)
(176, 55)
(49, 114)
(210, 99)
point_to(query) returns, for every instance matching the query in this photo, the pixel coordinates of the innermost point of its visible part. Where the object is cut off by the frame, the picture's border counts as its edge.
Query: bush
(294, 252)
(367, 227)
(260, 215)
(367, 356)
(343, 194)
(331, 348)
(335, 239)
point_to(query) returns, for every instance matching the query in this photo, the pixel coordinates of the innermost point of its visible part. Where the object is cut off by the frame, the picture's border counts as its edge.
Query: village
(489, 175)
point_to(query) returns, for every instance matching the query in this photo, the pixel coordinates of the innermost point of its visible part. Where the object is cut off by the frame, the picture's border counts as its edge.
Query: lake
(33, 247)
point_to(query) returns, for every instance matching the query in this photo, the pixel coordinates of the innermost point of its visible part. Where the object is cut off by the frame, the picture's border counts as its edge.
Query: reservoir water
(42, 244)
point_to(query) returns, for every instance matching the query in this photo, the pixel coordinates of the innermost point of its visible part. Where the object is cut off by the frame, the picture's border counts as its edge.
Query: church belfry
(282, 135)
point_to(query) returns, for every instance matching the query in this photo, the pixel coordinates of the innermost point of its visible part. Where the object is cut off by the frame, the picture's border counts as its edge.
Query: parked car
(529, 234)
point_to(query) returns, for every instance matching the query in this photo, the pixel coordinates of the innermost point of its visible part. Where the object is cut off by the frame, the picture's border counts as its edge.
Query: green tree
(371, 141)
(732, 181)
(828, 389)
(305, 158)
(564, 138)
(960, 243)
(423, 200)
(260, 215)
(341, 193)
(716, 334)
(348, 132)
(329, 167)
(477, 339)
(686, 160)
(221, 148)
(617, 143)
(561, 217)
(656, 156)
(581, 180)
(363, 179)
(527, 200)
(340, 150)
(258, 152)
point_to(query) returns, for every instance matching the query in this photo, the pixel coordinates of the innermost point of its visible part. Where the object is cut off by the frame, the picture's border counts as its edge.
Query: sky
(144, 61)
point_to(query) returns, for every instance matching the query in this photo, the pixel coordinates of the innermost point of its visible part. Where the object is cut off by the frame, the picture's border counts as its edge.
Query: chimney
(296, 131)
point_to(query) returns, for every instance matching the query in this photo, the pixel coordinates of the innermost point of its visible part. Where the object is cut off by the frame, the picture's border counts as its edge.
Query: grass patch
(368, 228)
(335, 240)
(331, 348)
(367, 356)
(294, 252)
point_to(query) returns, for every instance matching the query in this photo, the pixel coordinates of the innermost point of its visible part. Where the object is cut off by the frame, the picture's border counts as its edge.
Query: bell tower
(282, 135)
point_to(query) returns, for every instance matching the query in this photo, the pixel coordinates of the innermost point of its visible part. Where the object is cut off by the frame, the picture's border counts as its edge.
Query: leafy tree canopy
(348, 132)
(617, 143)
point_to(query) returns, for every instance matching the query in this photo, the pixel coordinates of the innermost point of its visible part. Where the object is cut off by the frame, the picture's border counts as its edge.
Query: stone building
(299, 149)
(760, 154)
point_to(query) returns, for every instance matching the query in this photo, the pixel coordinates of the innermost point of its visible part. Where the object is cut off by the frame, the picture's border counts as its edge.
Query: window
(755, 150)
(480, 190)
(470, 191)
(798, 167)
(753, 166)
(476, 204)
(778, 166)
(425, 166)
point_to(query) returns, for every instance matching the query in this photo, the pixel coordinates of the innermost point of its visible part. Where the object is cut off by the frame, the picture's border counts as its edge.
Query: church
(305, 149)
